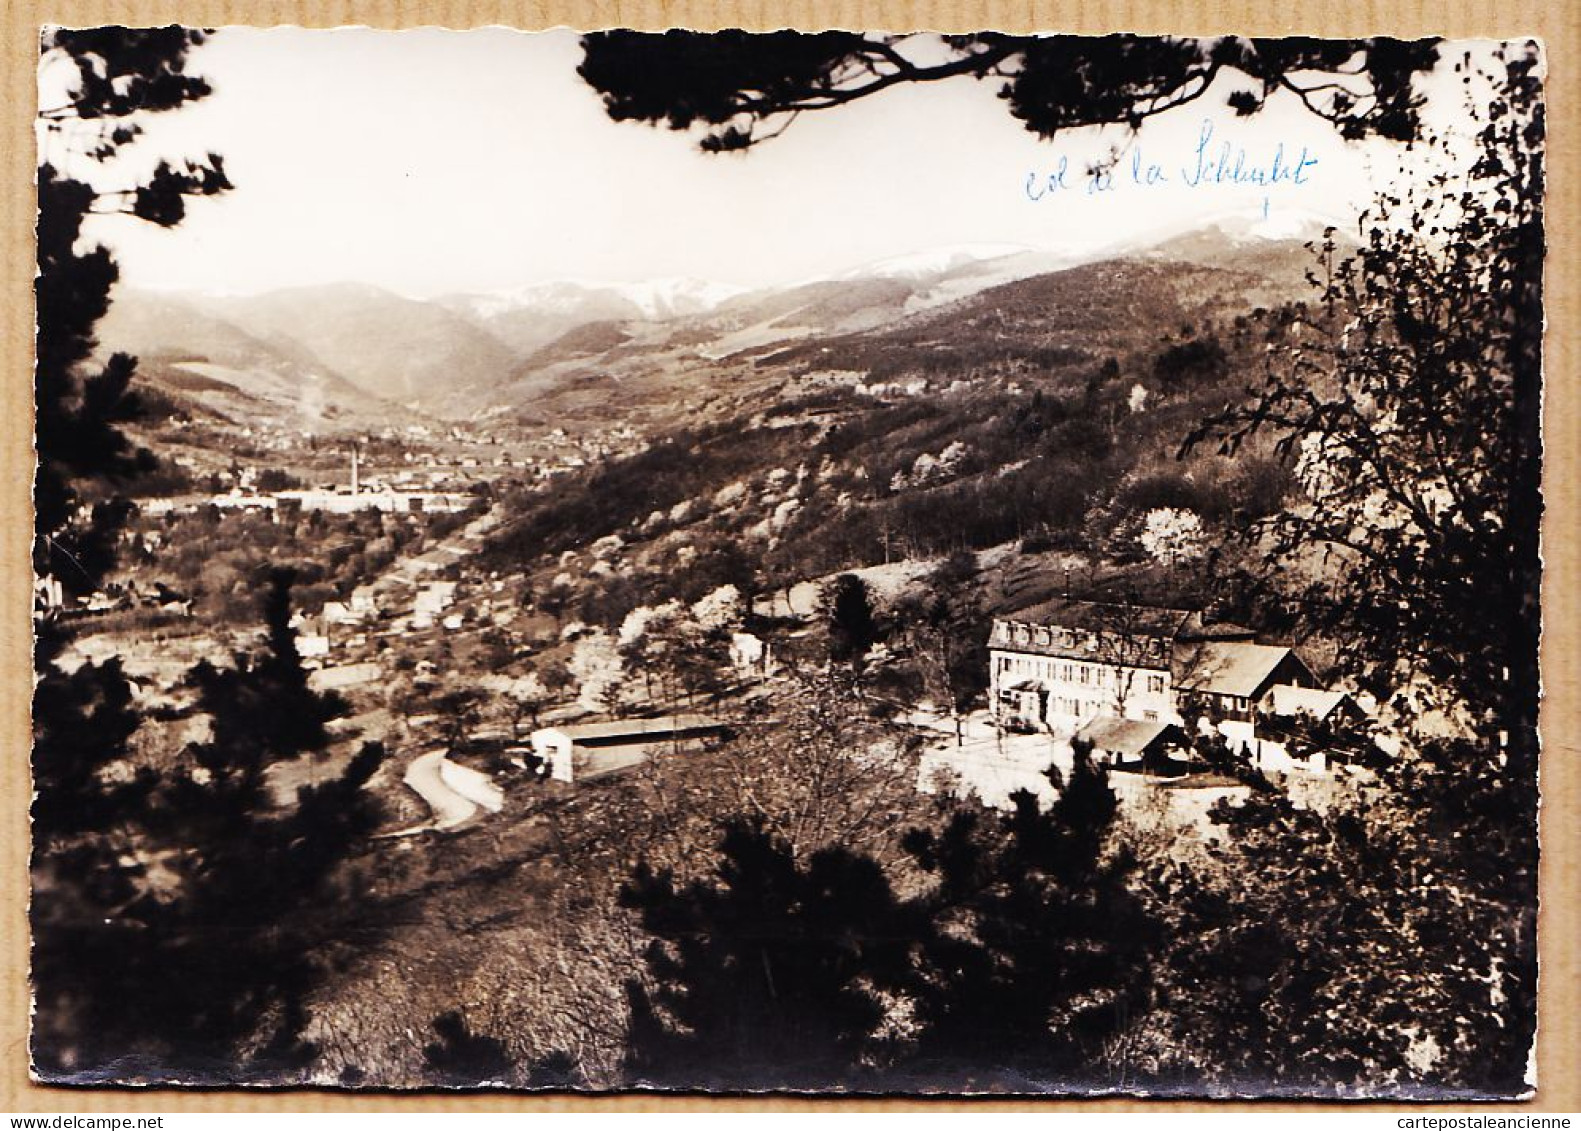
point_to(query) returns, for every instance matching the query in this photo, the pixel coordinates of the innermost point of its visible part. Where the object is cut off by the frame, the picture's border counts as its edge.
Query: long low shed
(583, 750)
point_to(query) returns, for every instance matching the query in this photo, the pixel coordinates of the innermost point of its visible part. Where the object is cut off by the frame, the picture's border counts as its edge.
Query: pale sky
(432, 161)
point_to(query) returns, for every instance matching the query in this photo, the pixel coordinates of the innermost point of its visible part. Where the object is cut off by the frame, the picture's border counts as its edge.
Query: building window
(1150, 716)
(1155, 684)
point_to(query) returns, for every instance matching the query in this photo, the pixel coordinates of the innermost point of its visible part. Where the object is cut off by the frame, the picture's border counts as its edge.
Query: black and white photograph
(836, 562)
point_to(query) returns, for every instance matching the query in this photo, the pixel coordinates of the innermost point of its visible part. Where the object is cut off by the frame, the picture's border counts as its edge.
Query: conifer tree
(109, 80)
(186, 924)
(1018, 964)
(767, 975)
(1037, 953)
(847, 611)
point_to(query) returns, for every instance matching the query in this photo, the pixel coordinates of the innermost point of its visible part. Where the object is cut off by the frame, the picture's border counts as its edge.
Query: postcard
(817, 562)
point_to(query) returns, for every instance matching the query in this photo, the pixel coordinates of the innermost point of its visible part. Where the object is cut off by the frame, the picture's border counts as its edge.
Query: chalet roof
(1229, 667)
(635, 729)
(1286, 699)
(1127, 738)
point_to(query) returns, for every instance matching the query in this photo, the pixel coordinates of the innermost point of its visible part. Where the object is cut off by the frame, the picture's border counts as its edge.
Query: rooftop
(1229, 667)
(1103, 616)
(1136, 635)
(1127, 619)
(635, 728)
(1126, 738)
(1287, 699)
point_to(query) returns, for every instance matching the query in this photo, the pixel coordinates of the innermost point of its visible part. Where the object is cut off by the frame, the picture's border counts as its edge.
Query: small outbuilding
(587, 750)
(1136, 745)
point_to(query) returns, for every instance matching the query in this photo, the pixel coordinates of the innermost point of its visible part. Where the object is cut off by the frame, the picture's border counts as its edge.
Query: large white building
(1061, 664)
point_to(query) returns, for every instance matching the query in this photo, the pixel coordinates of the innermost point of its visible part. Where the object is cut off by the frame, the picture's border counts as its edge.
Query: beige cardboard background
(1557, 22)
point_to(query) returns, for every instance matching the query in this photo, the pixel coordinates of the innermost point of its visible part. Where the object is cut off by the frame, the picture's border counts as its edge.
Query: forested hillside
(1048, 413)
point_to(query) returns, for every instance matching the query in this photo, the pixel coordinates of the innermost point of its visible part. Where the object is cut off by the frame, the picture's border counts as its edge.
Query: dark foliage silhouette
(82, 724)
(1316, 979)
(120, 75)
(183, 934)
(847, 612)
(1038, 954)
(769, 975)
(746, 87)
(1408, 399)
(1022, 958)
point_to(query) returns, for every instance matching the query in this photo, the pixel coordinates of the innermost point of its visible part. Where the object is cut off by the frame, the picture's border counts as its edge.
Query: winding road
(454, 792)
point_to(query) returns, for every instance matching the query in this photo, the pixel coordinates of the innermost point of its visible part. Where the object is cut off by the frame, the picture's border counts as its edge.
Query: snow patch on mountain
(1279, 224)
(651, 299)
(667, 298)
(933, 261)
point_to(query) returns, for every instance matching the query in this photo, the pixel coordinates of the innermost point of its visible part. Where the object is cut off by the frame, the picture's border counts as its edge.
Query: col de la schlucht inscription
(1215, 163)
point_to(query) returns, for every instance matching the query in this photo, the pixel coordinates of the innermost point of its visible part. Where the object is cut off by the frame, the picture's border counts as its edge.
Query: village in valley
(493, 695)
(475, 657)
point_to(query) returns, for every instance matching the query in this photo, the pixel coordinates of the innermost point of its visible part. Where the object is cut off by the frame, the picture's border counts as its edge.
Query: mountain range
(353, 355)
